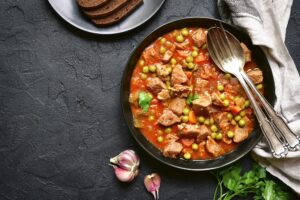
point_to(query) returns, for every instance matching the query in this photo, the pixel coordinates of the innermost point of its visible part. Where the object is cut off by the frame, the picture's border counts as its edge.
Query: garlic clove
(124, 175)
(152, 184)
(126, 165)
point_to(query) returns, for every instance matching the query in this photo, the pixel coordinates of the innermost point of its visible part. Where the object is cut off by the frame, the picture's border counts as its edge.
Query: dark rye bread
(106, 9)
(90, 4)
(119, 14)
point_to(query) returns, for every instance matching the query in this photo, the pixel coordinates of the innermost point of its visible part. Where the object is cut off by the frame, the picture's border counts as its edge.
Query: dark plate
(70, 12)
(197, 165)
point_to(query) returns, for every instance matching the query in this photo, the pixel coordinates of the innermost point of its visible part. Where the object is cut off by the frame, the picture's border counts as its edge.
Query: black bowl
(195, 165)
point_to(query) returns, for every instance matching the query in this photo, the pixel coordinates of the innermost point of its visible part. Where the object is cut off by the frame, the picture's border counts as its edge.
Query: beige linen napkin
(266, 22)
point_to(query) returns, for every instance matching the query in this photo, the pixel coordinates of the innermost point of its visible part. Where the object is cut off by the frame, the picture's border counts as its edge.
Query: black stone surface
(60, 114)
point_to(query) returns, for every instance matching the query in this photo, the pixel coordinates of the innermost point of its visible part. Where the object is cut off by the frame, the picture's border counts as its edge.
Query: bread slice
(106, 9)
(119, 14)
(89, 4)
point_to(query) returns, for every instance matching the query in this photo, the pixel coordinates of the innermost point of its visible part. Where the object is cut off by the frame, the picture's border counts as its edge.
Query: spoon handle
(290, 138)
(269, 131)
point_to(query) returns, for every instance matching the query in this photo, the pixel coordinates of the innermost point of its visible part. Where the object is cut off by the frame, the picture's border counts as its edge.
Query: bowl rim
(129, 122)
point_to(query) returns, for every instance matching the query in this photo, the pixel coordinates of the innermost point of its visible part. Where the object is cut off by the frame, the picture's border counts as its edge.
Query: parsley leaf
(145, 100)
(191, 98)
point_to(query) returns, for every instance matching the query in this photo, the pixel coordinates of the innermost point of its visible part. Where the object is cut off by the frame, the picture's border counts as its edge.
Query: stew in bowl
(183, 104)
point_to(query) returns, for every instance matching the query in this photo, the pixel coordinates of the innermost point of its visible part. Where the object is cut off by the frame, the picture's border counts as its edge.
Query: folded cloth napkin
(266, 22)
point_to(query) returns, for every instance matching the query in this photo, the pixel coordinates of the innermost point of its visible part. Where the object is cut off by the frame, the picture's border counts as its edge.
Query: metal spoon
(228, 56)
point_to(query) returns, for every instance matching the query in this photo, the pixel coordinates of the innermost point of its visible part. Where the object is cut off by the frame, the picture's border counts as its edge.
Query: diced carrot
(235, 109)
(187, 141)
(192, 117)
(189, 74)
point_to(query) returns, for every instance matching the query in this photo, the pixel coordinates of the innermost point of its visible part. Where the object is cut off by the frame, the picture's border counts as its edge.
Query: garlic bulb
(126, 165)
(152, 184)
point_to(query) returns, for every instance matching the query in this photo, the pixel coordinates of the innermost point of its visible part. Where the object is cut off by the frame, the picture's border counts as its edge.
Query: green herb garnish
(191, 98)
(145, 100)
(252, 182)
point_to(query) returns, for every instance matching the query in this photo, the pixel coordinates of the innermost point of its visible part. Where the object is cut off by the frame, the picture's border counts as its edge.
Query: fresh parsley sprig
(253, 182)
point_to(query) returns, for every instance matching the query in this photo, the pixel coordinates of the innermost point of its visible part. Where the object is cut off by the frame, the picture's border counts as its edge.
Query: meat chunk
(167, 56)
(168, 118)
(222, 120)
(240, 134)
(178, 75)
(204, 132)
(163, 95)
(216, 100)
(150, 53)
(172, 149)
(177, 105)
(133, 98)
(183, 53)
(199, 37)
(181, 90)
(247, 52)
(171, 137)
(155, 85)
(162, 71)
(202, 102)
(200, 85)
(189, 130)
(213, 147)
(255, 75)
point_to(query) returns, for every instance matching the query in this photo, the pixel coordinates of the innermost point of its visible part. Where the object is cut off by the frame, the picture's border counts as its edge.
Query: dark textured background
(60, 116)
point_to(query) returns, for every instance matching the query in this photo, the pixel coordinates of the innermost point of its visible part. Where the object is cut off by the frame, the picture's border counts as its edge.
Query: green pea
(173, 61)
(179, 38)
(229, 116)
(184, 32)
(230, 134)
(259, 86)
(195, 48)
(204, 46)
(163, 40)
(201, 119)
(191, 66)
(195, 147)
(242, 123)
(211, 121)
(219, 136)
(237, 118)
(152, 68)
(227, 76)
(186, 111)
(162, 50)
(187, 156)
(168, 130)
(145, 69)
(189, 59)
(214, 135)
(220, 88)
(226, 102)
(206, 122)
(143, 76)
(247, 103)
(233, 122)
(222, 96)
(243, 113)
(151, 118)
(160, 139)
(214, 128)
(194, 54)
(169, 69)
(184, 119)
(141, 62)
